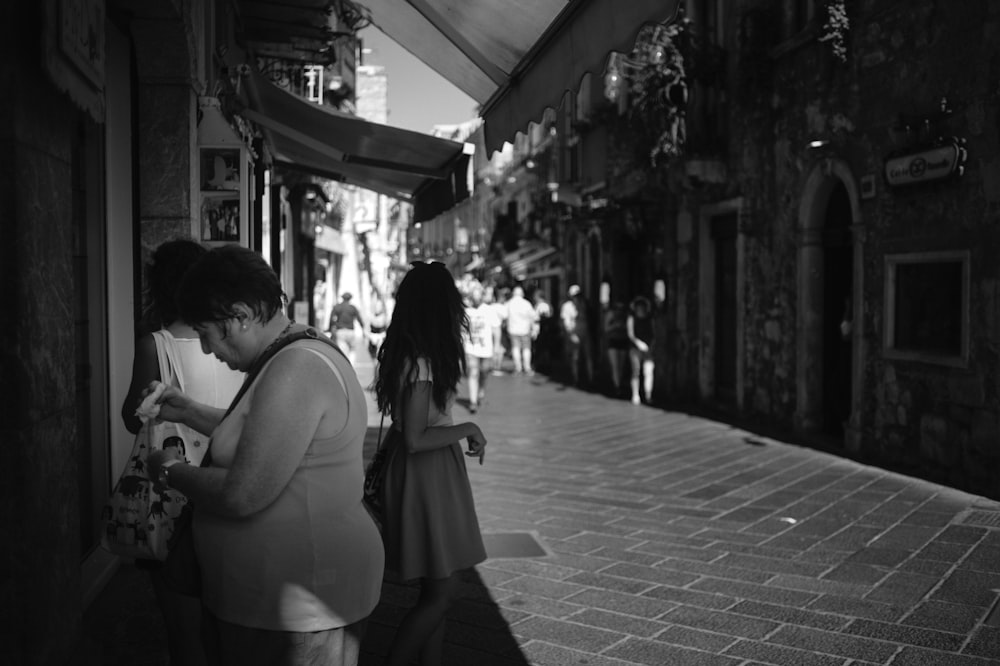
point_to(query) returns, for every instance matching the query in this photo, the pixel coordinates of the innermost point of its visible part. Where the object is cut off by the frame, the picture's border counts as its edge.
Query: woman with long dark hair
(431, 530)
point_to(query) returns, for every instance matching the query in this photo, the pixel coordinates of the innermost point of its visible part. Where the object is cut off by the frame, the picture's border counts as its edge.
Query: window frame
(892, 263)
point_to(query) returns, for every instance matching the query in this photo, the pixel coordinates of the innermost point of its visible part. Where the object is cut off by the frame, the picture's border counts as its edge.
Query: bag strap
(251, 376)
(166, 356)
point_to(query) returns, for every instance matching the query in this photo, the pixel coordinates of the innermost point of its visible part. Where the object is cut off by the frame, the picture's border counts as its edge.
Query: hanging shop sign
(937, 163)
(74, 51)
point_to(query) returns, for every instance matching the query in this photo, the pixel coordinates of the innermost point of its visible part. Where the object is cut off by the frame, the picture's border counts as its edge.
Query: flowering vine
(835, 28)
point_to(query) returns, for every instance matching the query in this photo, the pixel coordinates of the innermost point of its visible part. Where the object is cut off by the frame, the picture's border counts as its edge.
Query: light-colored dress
(431, 529)
(313, 559)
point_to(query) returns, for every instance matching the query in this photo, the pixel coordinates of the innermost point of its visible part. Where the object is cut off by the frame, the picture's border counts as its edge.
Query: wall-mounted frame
(223, 215)
(223, 218)
(927, 307)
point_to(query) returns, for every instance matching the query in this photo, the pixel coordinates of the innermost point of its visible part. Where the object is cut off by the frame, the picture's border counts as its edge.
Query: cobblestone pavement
(623, 534)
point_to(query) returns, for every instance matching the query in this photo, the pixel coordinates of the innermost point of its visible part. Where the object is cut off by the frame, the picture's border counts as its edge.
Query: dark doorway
(838, 287)
(724, 239)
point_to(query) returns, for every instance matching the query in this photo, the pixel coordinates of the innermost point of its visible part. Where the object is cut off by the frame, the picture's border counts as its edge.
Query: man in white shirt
(576, 330)
(521, 322)
(480, 342)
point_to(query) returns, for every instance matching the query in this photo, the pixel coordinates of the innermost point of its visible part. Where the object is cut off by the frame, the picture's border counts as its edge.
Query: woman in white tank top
(207, 380)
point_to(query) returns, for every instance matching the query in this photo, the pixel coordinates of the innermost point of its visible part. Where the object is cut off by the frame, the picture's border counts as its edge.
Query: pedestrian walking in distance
(431, 531)
(342, 330)
(482, 337)
(521, 323)
(640, 332)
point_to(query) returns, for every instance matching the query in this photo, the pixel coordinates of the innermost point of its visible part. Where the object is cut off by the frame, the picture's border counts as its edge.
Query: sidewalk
(623, 534)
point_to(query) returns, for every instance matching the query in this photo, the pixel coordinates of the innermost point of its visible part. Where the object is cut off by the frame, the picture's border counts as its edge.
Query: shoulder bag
(138, 521)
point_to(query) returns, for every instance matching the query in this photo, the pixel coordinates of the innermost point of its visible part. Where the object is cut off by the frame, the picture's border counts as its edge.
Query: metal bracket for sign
(945, 159)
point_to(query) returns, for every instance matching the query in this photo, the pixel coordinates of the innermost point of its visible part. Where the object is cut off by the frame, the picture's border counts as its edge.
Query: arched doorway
(838, 282)
(830, 286)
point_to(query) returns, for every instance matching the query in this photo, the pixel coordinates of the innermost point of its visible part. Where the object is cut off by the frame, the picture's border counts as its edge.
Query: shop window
(927, 303)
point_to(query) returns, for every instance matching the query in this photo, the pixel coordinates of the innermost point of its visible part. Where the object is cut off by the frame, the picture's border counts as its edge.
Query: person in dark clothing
(640, 331)
(341, 327)
(618, 343)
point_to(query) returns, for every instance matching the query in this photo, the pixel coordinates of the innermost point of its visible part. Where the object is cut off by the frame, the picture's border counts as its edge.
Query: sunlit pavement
(623, 534)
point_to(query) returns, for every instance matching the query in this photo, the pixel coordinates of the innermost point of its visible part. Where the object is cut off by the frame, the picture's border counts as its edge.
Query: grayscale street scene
(647, 536)
(500, 332)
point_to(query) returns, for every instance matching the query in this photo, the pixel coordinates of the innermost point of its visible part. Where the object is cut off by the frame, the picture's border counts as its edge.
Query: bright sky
(419, 97)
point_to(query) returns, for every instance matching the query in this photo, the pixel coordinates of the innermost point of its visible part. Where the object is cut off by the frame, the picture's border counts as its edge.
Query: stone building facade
(823, 244)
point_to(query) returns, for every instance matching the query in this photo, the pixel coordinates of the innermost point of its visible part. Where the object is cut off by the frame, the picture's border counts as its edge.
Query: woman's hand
(477, 444)
(172, 402)
(154, 462)
(641, 346)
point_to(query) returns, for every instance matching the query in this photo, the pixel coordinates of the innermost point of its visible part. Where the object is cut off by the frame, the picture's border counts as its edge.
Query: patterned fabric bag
(138, 521)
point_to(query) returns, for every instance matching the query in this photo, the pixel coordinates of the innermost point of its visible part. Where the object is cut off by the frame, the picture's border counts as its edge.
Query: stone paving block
(942, 616)
(532, 566)
(625, 624)
(682, 636)
(879, 557)
(754, 592)
(851, 538)
(644, 606)
(904, 589)
(677, 596)
(653, 653)
(567, 634)
(632, 556)
(825, 642)
(594, 541)
(928, 518)
(906, 537)
(595, 523)
(932, 568)
(913, 656)
(746, 514)
(857, 608)
(968, 587)
(772, 564)
(730, 624)
(517, 606)
(961, 534)
(798, 543)
(982, 558)
(818, 585)
(786, 615)
(886, 515)
(677, 551)
(542, 587)
(896, 633)
(546, 654)
(856, 574)
(781, 655)
(658, 574)
(615, 583)
(821, 556)
(737, 497)
(690, 541)
(985, 643)
(695, 569)
(724, 537)
(942, 551)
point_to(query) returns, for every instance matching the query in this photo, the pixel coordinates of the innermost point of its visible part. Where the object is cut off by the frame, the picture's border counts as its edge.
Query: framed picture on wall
(221, 169)
(223, 218)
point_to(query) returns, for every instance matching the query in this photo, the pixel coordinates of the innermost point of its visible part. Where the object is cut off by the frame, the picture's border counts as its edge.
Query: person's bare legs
(422, 630)
(647, 379)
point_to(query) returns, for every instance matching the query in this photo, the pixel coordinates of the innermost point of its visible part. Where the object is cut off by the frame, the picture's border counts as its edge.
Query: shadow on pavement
(476, 633)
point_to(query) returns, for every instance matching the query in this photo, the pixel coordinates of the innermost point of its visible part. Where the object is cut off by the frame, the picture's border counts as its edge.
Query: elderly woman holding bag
(291, 562)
